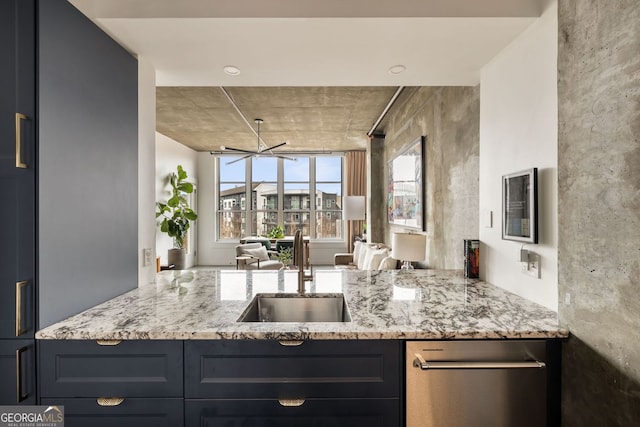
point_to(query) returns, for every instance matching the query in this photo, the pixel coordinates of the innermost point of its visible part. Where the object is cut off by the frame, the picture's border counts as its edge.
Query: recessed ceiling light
(231, 70)
(397, 69)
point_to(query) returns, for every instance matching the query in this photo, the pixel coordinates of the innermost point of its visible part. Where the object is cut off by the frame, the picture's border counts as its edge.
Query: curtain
(356, 185)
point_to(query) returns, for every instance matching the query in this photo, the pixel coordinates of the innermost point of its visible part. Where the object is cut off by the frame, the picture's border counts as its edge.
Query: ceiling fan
(263, 149)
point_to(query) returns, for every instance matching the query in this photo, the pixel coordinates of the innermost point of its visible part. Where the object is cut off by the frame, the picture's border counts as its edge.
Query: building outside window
(281, 192)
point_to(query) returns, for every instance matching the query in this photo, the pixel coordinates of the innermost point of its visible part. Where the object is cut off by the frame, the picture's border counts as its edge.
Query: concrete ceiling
(316, 71)
(307, 118)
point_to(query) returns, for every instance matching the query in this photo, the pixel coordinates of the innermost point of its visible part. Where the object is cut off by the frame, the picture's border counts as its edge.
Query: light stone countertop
(419, 304)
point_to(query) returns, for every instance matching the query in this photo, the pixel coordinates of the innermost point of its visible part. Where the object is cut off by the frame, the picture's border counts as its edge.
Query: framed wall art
(520, 206)
(405, 187)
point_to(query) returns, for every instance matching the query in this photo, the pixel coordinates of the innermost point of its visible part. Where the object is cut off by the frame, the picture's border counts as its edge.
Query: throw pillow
(357, 248)
(260, 253)
(364, 250)
(373, 257)
(377, 256)
(389, 263)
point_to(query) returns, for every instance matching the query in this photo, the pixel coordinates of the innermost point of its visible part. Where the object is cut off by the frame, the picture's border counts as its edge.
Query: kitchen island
(394, 304)
(173, 353)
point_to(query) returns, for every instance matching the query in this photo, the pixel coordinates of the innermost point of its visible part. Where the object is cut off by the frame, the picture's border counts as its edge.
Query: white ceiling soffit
(314, 43)
(308, 8)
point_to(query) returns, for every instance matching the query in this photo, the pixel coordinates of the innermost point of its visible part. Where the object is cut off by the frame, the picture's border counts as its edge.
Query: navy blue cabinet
(128, 383)
(133, 412)
(271, 383)
(17, 180)
(310, 413)
(17, 366)
(106, 369)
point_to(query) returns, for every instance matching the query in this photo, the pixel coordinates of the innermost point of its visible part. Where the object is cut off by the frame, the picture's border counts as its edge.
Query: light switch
(487, 218)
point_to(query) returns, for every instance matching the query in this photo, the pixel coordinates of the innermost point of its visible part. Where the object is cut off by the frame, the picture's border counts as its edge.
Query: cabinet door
(129, 413)
(17, 167)
(311, 413)
(17, 372)
(129, 369)
(313, 369)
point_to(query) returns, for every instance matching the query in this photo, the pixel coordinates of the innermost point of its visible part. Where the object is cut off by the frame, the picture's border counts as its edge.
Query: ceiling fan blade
(239, 150)
(295, 159)
(238, 159)
(275, 146)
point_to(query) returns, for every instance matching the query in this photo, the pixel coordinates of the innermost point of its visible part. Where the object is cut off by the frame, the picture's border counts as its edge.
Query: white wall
(170, 154)
(518, 130)
(146, 168)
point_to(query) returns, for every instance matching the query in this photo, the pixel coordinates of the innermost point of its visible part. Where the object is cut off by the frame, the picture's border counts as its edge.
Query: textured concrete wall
(599, 210)
(449, 118)
(376, 189)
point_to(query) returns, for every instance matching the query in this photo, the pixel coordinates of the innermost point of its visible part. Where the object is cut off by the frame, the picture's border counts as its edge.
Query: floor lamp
(409, 247)
(353, 210)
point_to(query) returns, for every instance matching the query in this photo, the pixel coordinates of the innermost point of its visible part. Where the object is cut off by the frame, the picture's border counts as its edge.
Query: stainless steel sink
(296, 308)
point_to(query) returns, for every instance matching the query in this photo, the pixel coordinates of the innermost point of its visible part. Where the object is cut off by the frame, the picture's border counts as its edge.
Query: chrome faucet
(298, 260)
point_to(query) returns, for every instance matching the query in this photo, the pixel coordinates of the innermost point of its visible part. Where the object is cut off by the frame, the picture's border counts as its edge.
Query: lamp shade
(353, 207)
(409, 246)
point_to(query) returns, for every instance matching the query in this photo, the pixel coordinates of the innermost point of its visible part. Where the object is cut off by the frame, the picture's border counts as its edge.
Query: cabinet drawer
(134, 412)
(17, 372)
(129, 369)
(313, 412)
(268, 369)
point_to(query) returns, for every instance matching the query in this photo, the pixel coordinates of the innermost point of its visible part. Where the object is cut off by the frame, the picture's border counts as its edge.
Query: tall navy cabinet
(68, 158)
(18, 169)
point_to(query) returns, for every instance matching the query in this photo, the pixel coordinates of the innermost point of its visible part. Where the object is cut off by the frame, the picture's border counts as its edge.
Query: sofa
(366, 256)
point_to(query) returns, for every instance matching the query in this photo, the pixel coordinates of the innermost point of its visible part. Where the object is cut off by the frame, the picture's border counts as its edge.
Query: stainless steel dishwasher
(476, 383)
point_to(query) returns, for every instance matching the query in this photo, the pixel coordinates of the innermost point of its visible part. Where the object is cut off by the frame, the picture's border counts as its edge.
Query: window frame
(249, 212)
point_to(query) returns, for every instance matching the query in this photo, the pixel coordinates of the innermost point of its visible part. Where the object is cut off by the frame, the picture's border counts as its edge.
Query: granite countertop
(419, 304)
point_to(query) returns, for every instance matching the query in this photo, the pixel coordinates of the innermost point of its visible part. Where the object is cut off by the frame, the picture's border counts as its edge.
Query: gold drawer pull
(291, 403)
(108, 342)
(20, 395)
(19, 163)
(109, 401)
(291, 343)
(19, 286)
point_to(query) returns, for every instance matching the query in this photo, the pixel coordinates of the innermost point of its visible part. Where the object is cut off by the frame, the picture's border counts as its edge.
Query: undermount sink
(296, 308)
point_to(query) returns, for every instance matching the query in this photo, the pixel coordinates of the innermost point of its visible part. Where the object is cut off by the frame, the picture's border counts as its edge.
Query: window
(304, 194)
(328, 181)
(231, 196)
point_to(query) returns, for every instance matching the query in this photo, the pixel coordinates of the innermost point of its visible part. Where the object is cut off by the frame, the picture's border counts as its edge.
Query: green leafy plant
(276, 232)
(176, 214)
(285, 256)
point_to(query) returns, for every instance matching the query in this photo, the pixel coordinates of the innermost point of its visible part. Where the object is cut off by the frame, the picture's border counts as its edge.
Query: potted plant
(285, 256)
(276, 232)
(177, 216)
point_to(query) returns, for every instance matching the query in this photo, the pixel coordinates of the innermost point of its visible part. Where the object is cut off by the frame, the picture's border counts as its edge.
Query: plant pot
(178, 257)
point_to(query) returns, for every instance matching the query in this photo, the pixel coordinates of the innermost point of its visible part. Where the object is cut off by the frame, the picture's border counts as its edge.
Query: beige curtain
(356, 185)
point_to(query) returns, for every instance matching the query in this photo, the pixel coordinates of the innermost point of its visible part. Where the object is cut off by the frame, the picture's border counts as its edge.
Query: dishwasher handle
(419, 362)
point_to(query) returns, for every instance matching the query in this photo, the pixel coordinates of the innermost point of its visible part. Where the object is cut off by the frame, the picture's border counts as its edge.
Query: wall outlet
(146, 257)
(532, 266)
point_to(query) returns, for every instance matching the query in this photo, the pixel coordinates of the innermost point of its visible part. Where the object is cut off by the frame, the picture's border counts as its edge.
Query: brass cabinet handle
(108, 342)
(19, 286)
(19, 162)
(19, 396)
(290, 403)
(109, 401)
(290, 343)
